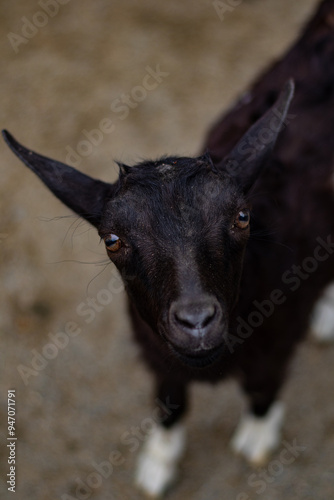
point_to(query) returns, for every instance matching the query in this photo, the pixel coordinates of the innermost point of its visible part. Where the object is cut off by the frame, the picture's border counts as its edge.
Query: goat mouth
(201, 360)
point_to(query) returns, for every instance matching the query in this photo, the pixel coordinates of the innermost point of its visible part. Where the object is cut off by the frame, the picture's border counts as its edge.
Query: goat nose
(195, 316)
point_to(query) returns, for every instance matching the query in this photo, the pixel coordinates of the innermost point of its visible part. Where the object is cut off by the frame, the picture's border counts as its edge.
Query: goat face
(178, 227)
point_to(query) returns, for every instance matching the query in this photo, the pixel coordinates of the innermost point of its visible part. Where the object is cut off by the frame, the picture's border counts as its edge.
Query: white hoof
(257, 437)
(322, 323)
(158, 461)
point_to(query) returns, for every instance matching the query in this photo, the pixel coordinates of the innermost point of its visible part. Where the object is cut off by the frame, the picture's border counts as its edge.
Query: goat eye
(242, 221)
(112, 242)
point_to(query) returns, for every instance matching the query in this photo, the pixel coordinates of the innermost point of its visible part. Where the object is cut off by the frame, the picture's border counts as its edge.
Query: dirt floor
(79, 402)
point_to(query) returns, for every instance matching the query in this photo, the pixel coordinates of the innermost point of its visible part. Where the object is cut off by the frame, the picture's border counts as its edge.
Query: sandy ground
(74, 407)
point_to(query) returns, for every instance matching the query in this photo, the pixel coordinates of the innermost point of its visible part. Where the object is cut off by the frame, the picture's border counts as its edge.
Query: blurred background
(70, 68)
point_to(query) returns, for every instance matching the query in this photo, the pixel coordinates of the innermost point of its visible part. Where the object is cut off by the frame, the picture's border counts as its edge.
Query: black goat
(212, 293)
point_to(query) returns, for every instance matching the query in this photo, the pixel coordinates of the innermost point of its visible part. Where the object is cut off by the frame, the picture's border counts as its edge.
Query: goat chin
(202, 359)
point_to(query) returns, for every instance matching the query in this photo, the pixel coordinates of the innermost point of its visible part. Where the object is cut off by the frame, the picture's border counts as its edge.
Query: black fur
(197, 277)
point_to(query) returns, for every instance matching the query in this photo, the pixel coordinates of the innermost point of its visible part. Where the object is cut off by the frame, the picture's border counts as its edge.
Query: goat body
(211, 293)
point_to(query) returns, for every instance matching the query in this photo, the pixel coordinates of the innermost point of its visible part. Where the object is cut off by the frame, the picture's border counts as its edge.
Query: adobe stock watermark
(30, 27)
(57, 342)
(131, 439)
(122, 107)
(226, 7)
(293, 278)
(265, 476)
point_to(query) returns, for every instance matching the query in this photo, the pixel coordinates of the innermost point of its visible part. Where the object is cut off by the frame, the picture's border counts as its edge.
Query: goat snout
(195, 325)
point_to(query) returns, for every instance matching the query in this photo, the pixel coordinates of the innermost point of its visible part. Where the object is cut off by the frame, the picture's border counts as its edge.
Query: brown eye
(242, 221)
(112, 242)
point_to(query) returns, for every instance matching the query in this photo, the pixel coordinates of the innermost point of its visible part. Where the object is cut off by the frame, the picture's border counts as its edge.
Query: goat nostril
(184, 320)
(210, 314)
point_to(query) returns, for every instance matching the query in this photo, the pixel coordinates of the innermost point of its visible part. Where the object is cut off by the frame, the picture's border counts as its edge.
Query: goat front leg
(258, 433)
(159, 458)
(322, 321)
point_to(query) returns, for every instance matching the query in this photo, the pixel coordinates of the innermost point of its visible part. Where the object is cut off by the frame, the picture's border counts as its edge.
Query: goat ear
(81, 193)
(249, 156)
